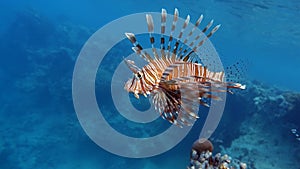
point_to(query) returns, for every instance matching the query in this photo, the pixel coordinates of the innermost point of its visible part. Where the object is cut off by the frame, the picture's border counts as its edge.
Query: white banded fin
(150, 23)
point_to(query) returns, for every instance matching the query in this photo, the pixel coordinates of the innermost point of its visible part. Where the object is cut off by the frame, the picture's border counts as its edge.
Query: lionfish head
(133, 85)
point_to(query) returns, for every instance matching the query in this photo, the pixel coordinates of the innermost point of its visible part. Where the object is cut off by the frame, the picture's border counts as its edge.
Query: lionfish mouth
(174, 77)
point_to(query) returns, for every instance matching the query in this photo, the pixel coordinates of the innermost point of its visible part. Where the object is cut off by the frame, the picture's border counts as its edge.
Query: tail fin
(236, 74)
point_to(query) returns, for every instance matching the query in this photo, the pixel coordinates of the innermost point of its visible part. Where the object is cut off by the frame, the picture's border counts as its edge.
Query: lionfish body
(176, 82)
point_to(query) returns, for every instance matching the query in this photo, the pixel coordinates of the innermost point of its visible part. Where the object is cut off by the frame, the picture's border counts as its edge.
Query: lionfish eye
(139, 75)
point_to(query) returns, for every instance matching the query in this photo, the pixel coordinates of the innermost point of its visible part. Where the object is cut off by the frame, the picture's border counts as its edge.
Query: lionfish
(175, 80)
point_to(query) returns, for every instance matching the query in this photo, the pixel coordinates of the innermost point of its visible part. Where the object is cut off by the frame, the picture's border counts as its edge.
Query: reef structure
(201, 157)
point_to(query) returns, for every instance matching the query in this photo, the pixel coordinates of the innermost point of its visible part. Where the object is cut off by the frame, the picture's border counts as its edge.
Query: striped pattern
(176, 84)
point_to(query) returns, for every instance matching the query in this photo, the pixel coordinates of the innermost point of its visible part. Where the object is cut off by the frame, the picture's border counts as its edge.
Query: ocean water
(41, 40)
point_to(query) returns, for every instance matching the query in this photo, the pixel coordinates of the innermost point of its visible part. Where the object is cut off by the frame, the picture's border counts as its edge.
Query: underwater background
(39, 44)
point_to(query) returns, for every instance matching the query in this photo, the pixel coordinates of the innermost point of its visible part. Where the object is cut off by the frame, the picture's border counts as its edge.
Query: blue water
(40, 41)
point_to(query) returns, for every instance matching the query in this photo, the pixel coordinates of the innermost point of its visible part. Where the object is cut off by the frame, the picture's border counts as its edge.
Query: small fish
(294, 131)
(173, 78)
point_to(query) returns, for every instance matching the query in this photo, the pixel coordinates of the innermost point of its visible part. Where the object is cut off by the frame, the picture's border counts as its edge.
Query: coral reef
(201, 157)
(265, 134)
(39, 128)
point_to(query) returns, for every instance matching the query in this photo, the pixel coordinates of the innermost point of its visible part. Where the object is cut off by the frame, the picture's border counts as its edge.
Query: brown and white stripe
(167, 76)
